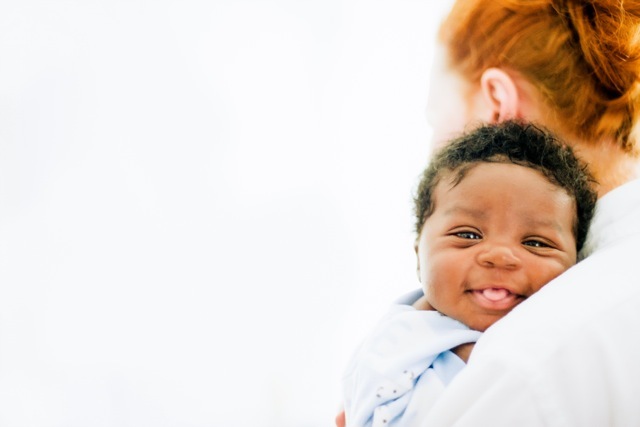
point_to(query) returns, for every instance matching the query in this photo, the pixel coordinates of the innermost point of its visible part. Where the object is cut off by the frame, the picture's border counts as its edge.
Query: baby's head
(500, 211)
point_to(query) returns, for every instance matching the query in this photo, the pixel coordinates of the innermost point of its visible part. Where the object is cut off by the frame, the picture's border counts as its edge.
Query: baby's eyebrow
(543, 222)
(475, 213)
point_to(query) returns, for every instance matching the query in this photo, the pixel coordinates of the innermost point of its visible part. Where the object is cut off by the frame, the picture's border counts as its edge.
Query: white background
(203, 204)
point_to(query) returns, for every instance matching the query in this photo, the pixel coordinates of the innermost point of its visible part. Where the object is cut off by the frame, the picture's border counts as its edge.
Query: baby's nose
(499, 256)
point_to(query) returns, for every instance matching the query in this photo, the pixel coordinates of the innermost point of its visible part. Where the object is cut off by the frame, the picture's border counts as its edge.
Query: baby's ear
(500, 94)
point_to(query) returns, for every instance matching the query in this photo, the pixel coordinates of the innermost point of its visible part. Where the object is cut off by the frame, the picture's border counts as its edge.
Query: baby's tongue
(495, 294)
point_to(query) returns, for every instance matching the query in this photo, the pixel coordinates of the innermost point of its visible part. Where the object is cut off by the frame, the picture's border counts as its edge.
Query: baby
(500, 212)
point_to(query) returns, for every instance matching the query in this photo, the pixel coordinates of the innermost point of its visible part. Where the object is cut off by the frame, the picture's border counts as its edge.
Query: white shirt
(569, 355)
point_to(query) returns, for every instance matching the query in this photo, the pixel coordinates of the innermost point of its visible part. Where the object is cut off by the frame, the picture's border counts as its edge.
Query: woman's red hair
(582, 56)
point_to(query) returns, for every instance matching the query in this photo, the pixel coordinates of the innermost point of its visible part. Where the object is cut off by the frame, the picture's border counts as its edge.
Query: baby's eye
(468, 235)
(536, 244)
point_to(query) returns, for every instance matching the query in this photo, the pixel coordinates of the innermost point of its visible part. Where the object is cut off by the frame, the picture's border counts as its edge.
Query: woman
(569, 355)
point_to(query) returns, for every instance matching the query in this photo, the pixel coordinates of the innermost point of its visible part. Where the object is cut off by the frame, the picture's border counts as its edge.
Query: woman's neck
(608, 163)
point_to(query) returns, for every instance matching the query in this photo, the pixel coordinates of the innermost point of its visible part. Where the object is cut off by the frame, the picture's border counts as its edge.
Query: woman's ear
(500, 93)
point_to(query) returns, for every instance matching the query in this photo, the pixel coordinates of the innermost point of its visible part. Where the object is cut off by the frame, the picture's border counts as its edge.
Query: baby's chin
(484, 323)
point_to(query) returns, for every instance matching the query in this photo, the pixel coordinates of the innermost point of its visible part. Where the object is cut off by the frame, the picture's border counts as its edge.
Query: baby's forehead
(451, 177)
(501, 187)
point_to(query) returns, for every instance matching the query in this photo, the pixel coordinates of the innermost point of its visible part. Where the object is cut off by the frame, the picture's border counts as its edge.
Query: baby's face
(493, 240)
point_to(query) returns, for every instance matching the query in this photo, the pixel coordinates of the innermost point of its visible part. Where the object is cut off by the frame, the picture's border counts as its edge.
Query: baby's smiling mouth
(495, 294)
(496, 298)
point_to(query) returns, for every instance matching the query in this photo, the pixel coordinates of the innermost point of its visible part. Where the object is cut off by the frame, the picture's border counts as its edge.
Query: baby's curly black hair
(516, 142)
